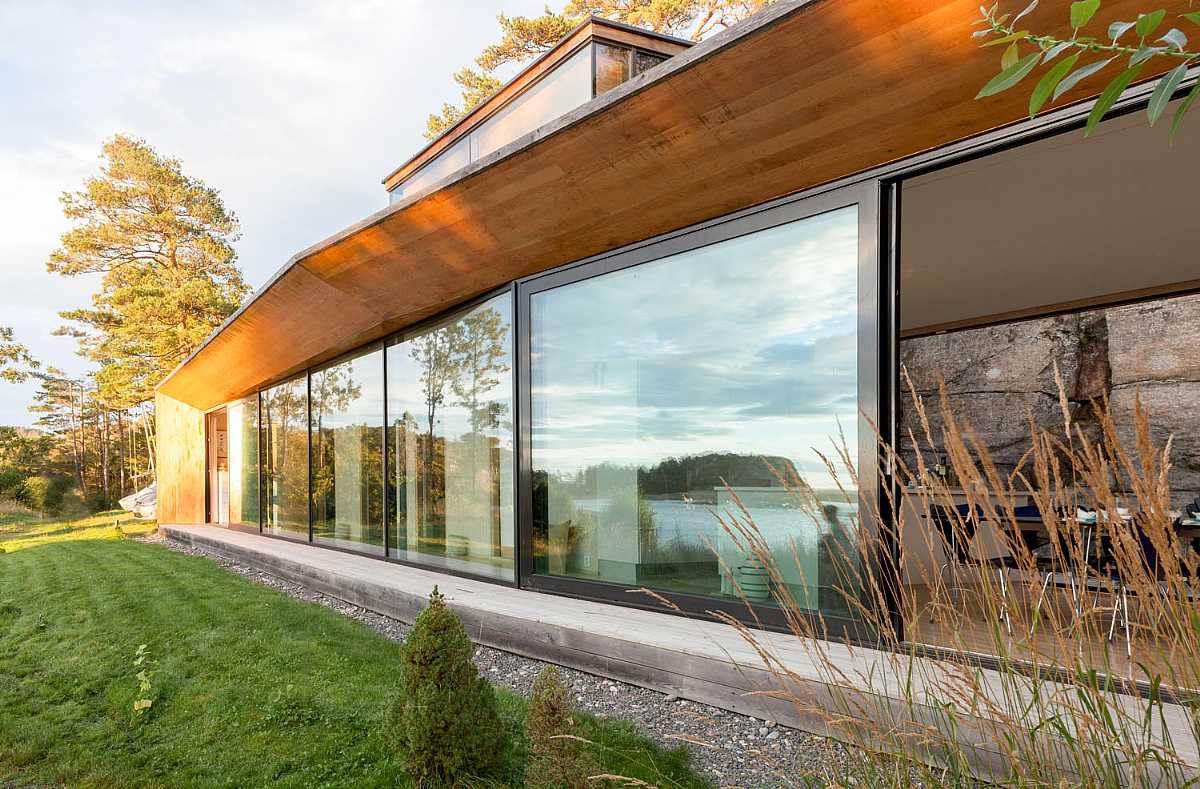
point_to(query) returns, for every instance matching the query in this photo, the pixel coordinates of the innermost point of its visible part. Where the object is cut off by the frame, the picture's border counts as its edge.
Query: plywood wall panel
(179, 461)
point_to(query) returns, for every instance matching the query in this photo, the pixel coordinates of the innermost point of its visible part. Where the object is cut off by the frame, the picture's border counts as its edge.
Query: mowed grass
(24, 530)
(248, 687)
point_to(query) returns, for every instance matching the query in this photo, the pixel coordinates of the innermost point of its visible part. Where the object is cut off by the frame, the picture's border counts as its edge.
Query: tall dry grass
(1009, 685)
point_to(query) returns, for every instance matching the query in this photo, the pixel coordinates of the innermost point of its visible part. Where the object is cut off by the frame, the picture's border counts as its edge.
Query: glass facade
(566, 87)
(658, 396)
(450, 443)
(243, 461)
(616, 64)
(285, 459)
(562, 90)
(347, 452)
(644, 61)
(451, 160)
(662, 391)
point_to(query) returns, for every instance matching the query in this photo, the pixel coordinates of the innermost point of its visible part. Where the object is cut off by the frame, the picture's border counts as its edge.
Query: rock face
(1155, 350)
(999, 379)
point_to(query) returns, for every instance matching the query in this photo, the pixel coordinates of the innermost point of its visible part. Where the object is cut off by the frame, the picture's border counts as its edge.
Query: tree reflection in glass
(244, 442)
(285, 458)
(347, 447)
(450, 443)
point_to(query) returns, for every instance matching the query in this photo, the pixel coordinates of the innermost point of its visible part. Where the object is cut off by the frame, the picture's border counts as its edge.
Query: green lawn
(249, 687)
(19, 530)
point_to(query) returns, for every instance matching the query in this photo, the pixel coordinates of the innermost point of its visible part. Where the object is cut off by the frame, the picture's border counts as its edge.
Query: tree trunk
(77, 448)
(104, 457)
(121, 470)
(149, 441)
(83, 440)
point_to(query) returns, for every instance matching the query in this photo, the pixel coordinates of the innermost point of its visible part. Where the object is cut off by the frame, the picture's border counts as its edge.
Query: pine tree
(15, 360)
(100, 448)
(59, 404)
(162, 242)
(524, 38)
(476, 87)
(445, 718)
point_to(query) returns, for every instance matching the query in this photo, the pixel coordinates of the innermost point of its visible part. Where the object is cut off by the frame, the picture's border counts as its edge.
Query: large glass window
(612, 67)
(562, 90)
(453, 159)
(662, 391)
(347, 452)
(644, 61)
(243, 461)
(450, 443)
(565, 87)
(285, 458)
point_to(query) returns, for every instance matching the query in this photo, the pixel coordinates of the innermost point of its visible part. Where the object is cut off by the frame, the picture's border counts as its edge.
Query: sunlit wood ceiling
(802, 94)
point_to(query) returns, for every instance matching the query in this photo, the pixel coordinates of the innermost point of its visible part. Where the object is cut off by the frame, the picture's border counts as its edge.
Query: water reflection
(656, 386)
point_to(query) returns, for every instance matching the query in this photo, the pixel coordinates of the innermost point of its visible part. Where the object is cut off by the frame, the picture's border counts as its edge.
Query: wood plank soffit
(802, 94)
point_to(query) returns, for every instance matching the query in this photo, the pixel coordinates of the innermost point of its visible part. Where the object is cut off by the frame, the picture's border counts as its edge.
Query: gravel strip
(732, 750)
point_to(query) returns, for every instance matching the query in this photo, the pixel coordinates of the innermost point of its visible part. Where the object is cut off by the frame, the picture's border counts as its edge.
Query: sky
(767, 371)
(294, 111)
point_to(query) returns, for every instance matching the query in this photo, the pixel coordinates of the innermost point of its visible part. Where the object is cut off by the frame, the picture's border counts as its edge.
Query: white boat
(143, 503)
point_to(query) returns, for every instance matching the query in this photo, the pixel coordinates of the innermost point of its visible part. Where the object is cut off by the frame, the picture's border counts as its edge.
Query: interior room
(1071, 257)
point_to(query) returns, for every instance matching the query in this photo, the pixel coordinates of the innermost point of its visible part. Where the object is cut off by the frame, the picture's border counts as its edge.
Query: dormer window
(596, 57)
(615, 64)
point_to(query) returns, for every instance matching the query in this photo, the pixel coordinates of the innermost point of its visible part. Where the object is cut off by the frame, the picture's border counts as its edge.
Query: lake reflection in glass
(655, 386)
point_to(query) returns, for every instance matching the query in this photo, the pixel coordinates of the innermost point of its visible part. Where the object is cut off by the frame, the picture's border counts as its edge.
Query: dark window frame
(865, 196)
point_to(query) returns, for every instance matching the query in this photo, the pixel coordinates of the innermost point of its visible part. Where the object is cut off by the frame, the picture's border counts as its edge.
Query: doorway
(1037, 285)
(216, 432)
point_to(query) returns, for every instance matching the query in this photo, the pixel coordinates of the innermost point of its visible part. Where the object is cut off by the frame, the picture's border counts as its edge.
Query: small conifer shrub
(556, 756)
(445, 719)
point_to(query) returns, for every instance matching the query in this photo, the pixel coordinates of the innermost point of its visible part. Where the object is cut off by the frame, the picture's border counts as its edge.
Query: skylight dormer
(593, 59)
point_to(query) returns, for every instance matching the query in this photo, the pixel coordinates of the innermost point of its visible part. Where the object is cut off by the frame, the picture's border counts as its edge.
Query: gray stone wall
(999, 378)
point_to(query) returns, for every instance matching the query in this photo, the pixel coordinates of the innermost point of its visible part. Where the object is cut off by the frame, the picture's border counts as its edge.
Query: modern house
(644, 270)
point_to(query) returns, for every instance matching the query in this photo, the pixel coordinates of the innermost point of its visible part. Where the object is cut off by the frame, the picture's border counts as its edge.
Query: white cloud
(293, 110)
(744, 346)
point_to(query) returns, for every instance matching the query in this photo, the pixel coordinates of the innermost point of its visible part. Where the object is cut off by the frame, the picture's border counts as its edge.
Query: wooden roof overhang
(803, 93)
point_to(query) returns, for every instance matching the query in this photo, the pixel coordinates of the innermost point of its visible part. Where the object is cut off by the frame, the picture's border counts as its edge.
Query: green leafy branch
(1017, 63)
(144, 677)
